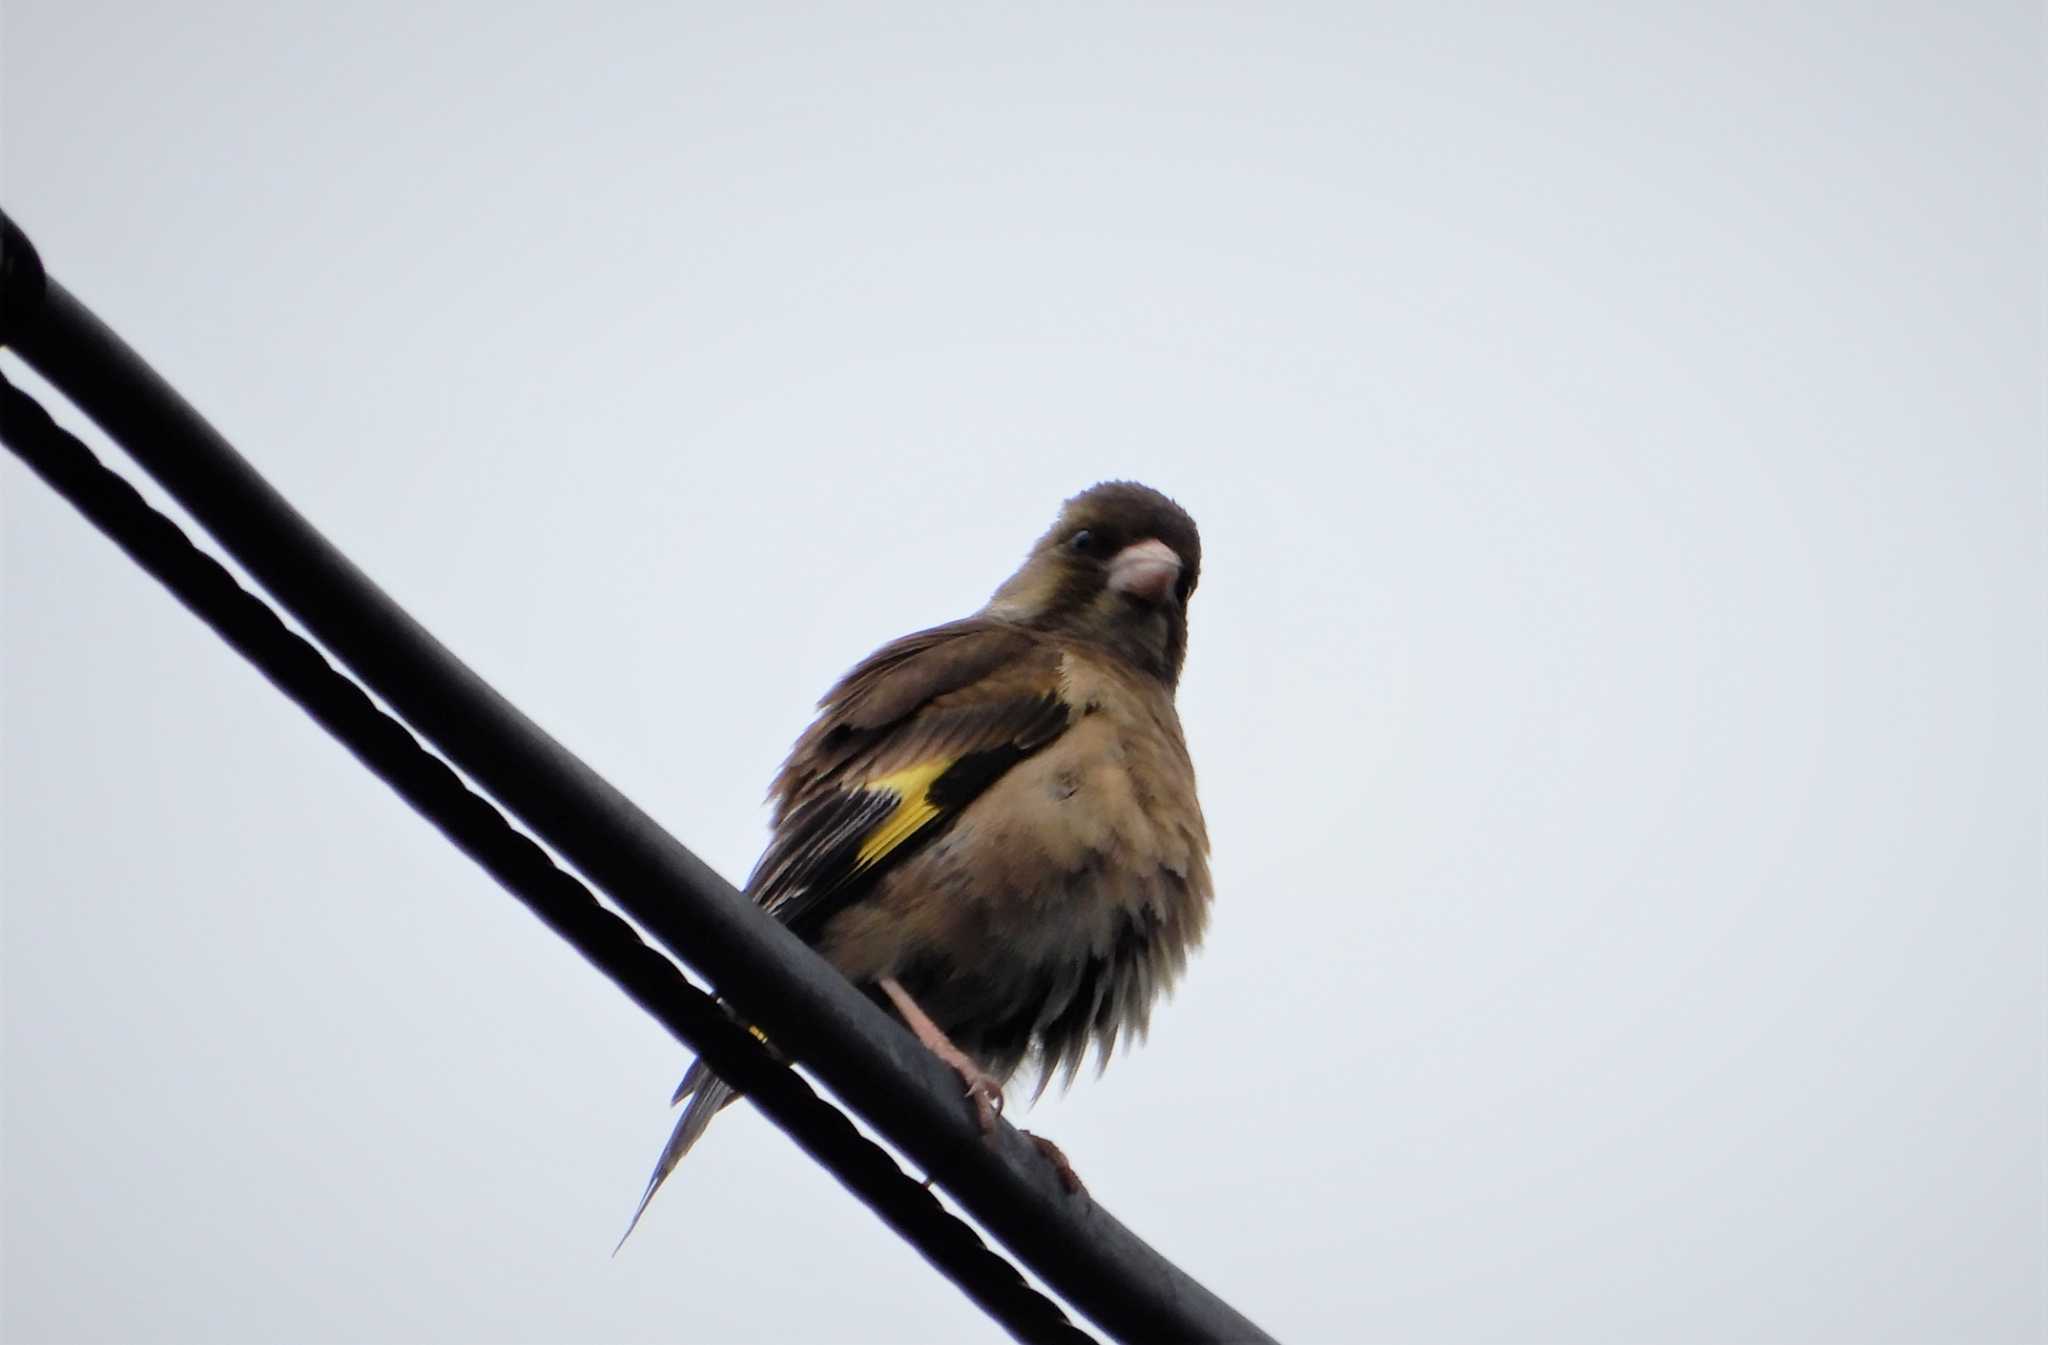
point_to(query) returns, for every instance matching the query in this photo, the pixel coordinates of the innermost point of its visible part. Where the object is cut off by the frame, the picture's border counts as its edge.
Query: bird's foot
(985, 1092)
(982, 1087)
(1058, 1158)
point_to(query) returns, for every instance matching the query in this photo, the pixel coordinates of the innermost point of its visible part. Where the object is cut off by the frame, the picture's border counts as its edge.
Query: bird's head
(1116, 569)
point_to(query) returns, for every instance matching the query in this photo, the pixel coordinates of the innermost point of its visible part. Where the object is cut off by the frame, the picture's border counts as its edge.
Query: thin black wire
(381, 743)
(866, 1058)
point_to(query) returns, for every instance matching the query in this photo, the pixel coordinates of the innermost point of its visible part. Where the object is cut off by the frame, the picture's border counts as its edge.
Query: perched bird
(992, 825)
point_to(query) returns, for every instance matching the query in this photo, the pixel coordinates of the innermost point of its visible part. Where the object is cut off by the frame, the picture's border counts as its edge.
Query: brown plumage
(992, 825)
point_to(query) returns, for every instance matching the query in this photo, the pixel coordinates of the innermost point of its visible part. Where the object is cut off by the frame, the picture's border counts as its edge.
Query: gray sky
(1617, 438)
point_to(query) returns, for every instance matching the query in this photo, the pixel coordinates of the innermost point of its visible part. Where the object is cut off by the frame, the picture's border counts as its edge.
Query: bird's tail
(708, 1095)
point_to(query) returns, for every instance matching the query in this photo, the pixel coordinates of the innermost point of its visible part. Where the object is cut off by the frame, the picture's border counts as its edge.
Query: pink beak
(1145, 570)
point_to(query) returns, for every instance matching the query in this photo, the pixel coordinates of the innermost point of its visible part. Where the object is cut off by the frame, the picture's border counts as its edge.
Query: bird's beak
(1145, 570)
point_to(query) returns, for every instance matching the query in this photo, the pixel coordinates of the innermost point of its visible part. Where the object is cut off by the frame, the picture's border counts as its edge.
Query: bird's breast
(1058, 904)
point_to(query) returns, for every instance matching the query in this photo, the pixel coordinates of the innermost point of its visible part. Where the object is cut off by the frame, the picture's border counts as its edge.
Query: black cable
(423, 780)
(866, 1058)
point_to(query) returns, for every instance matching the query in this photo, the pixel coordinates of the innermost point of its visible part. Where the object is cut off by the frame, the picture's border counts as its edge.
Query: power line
(867, 1059)
(423, 780)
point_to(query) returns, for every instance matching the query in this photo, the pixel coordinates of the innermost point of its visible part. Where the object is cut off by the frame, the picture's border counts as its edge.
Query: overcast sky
(1617, 437)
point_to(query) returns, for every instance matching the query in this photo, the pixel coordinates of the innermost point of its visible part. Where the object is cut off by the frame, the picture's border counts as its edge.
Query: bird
(991, 827)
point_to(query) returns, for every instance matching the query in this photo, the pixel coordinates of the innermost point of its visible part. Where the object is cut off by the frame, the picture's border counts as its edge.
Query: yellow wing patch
(913, 809)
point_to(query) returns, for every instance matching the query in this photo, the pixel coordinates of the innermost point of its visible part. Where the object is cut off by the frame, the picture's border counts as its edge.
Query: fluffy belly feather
(1066, 908)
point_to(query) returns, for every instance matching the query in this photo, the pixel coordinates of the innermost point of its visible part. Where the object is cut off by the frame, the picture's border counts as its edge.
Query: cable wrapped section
(524, 869)
(813, 1013)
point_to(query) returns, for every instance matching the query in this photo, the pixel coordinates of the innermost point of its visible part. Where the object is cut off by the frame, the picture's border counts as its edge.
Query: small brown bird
(992, 825)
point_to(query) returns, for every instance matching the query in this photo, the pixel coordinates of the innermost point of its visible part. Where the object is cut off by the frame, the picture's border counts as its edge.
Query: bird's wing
(901, 745)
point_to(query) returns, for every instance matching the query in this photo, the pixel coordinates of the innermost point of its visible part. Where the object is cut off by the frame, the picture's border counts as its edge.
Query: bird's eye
(1082, 541)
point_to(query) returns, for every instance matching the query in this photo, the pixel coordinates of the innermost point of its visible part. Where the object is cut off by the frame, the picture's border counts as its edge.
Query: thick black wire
(867, 1059)
(423, 780)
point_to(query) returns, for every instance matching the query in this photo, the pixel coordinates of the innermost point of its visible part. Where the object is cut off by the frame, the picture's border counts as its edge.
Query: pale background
(1617, 436)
